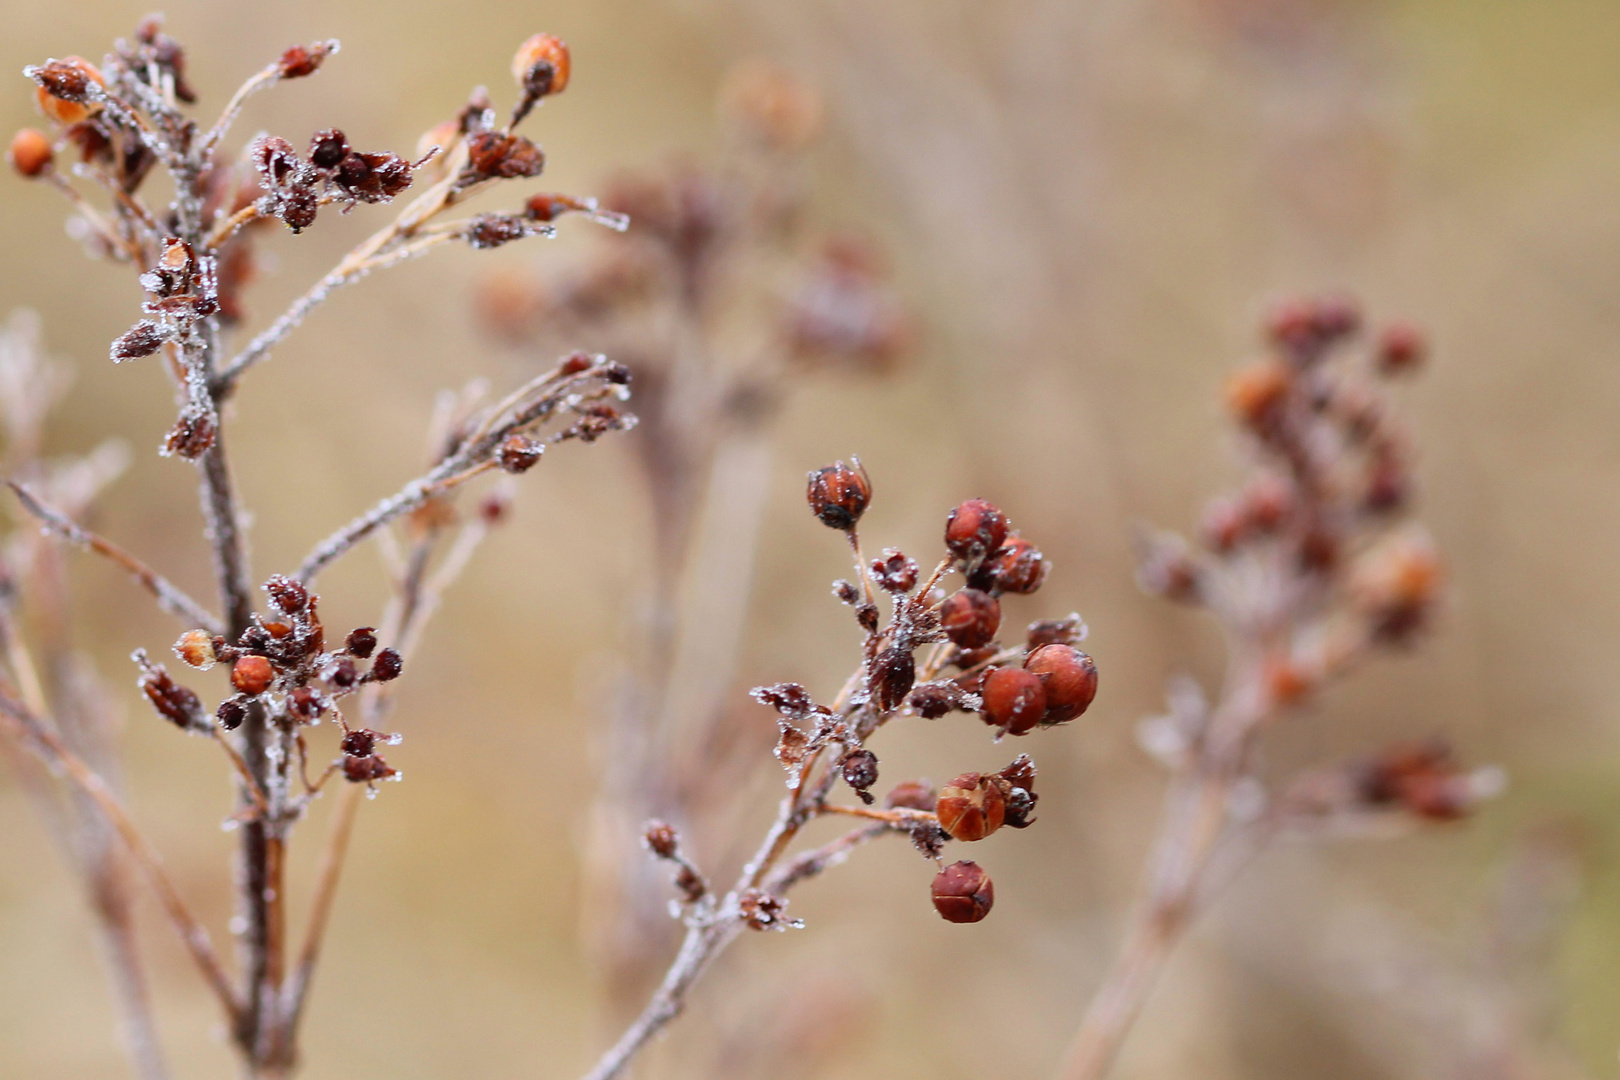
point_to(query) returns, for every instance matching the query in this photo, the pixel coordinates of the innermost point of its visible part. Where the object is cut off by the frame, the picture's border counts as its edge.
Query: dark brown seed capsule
(1014, 699)
(895, 572)
(975, 529)
(839, 494)
(288, 595)
(1070, 680)
(361, 742)
(972, 806)
(963, 893)
(933, 700)
(361, 642)
(893, 672)
(387, 666)
(970, 618)
(231, 713)
(519, 454)
(252, 675)
(860, 771)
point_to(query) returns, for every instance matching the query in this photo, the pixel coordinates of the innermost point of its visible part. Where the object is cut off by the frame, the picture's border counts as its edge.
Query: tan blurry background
(1089, 204)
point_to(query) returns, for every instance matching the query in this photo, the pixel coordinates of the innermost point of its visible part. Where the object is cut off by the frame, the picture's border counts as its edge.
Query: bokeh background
(1088, 204)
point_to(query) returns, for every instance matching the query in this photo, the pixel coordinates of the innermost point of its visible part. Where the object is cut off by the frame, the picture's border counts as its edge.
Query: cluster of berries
(281, 669)
(1043, 682)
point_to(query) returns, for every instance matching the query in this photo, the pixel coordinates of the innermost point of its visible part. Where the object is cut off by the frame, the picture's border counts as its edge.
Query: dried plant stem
(169, 597)
(1194, 823)
(30, 731)
(326, 884)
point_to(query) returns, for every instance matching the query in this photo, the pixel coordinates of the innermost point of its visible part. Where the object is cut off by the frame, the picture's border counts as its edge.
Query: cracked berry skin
(963, 892)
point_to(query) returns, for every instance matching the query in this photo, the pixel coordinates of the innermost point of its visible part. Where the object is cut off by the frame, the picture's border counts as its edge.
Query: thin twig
(326, 883)
(31, 732)
(169, 596)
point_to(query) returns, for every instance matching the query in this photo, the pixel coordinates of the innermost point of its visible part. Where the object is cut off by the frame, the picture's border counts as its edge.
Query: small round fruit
(1070, 680)
(963, 892)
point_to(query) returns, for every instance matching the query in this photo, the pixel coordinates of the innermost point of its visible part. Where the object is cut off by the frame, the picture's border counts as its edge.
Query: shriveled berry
(231, 713)
(972, 806)
(252, 675)
(894, 670)
(933, 700)
(895, 572)
(1014, 699)
(839, 494)
(1070, 680)
(963, 892)
(361, 642)
(661, 839)
(860, 771)
(970, 618)
(519, 454)
(975, 529)
(289, 596)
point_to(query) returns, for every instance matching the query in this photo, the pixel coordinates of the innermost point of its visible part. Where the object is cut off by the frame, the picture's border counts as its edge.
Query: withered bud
(860, 772)
(933, 700)
(343, 674)
(196, 648)
(175, 703)
(519, 454)
(867, 616)
(549, 206)
(289, 596)
(361, 642)
(328, 148)
(492, 154)
(306, 703)
(192, 435)
(970, 618)
(975, 529)
(1069, 677)
(895, 572)
(846, 591)
(541, 65)
(911, 795)
(789, 699)
(963, 892)
(252, 675)
(30, 152)
(387, 666)
(67, 81)
(839, 494)
(365, 770)
(1021, 808)
(492, 230)
(762, 911)
(972, 806)
(302, 60)
(661, 839)
(1014, 699)
(362, 742)
(143, 339)
(892, 674)
(231, 712)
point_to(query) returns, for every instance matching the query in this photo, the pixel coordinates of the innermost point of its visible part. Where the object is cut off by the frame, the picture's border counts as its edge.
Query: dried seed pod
(846, 591)
(252, 675)
(1069, 631)
(893, 672)
(860, 772)
(933, 700)
(64, 92)
(975, 529)
(895, 572)
(30, 152)
(963, 892)
(175, 703)
(661, 839)
(839, 494)
(365, 770)
(970, 618)
(196, 648)
(1014, 699)
(1017, 567)
(231, 712)
(387, 666)
(328, 148)
(289, 596)
(1021, 797)
(302, 60)
(492, 154)
(361, 642)
(541, 65)
(972, 806)
(143, 339)
(192, 435)
(519, 454)
(1069, 677)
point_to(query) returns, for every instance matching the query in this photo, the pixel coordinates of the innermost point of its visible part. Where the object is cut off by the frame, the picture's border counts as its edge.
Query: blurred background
(1087, 207)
